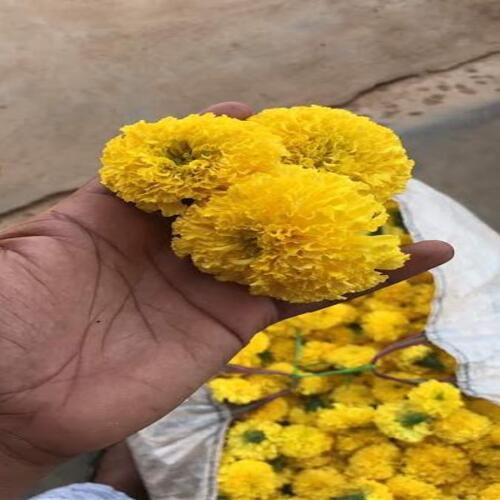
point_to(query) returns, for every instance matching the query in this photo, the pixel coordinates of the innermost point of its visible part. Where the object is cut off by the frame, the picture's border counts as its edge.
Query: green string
(343, 371)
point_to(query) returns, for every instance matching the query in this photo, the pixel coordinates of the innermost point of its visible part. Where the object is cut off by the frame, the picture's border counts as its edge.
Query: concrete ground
(428, 68)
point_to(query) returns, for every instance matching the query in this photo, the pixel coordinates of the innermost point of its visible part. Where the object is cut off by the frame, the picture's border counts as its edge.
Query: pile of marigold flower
(289, 202)
(313, 421)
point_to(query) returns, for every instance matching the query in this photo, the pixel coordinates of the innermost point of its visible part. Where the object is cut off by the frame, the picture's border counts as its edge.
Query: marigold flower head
(390, 391)
(342, 417)
(249, 355)
(364, 489)
(271, 384)
(462, 426)
(467, 488)
(438, 399)
(248, 480)
(436, 464)
(312, 355)
(378, 461)
(339, 141)
(323, 460)
(351, 356)
(489, 473)
(354, 394)
(299, 415)
(397, 296)
(272, 411)
(281, 349)
(297, 235)
(159, 165)
(302, 441)
(408, 488)
(486, 451)
(253, 439)
(491, 492)
(309, 386)
(284, 329)
(235, 390)
(353, 439)
(385, 326)
(341, 335)
(318, 484)
(484, 407)
(403, 421)
(327, 318)
(408, 359)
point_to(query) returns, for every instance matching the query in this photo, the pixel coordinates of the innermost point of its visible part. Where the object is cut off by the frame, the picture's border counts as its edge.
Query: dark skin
(103, 330)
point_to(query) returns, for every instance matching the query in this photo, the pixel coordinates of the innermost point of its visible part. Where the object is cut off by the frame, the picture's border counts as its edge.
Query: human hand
(104, 330)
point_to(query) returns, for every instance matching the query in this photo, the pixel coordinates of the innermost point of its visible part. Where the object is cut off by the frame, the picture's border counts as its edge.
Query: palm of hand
(116, 326)
(104, 330)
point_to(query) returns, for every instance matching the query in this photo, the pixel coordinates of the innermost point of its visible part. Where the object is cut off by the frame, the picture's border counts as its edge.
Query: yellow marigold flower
(348, 442)
(270, 384)
(436, 464)
(491, 492)
(425, 277)
(253, 439)
(399, 295)
(486, 451)
(297, 235)
(364, 489)
(403, 421)
(312, 356)
(329, 317)
(318, 484)
(385, 326)
(353, 394)
(389, 391)
(341, 335)
(462, 426)
(299, 415)
(408, 359)
(158, 165)
(282, 349)
(273, 411)
(339, 141)
(342, 417)
(235, 390)
(351, 356)
(490, 474)
(467, 488)
(408, 488)
(310, 386)
(378, 461)
(248, 480)
(484, 407)
(283, 329)
(437, 399)
(302, 441)
(323, 460)
(249, 355)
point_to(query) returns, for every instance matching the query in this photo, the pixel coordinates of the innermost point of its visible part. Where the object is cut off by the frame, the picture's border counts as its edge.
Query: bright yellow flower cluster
(337, 141)
(295, 234)
(290, 202)
(168, 164)
(351, 434)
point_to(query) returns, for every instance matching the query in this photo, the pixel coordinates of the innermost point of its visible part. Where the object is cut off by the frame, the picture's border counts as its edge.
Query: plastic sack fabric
(178, 455)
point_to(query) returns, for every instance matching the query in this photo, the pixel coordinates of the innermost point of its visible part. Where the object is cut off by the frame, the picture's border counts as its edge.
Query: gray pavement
(460, 155)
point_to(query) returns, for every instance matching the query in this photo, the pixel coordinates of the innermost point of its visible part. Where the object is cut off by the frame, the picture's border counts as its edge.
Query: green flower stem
(345, 371)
